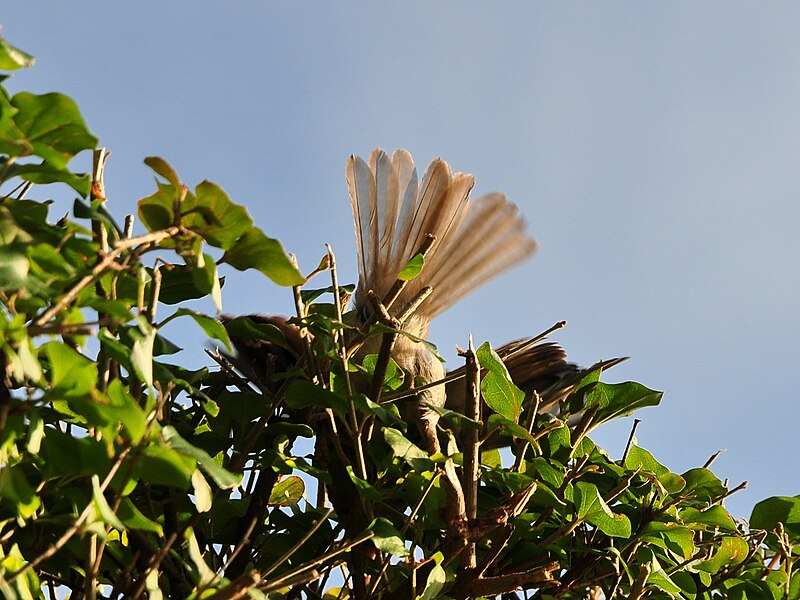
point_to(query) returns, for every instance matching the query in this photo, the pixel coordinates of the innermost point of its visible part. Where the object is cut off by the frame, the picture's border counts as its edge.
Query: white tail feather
(475, 240)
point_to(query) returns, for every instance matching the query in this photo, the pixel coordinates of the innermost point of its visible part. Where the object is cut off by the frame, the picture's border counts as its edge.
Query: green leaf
(703, 484)
(204, 573)
(731, 551)
(225, 221)
(639, 458)
(254, 250)
(394, 374)
(188, 282)
(436, 580)
(412, 269)
(71, 374)
(133, 518)
(714, 516)
(287, 492)
(386, 413)
(778, 509)
(511, 427)
(245, 327)
(303, 394)
(405, 450)
(365, 489)
(619, 399)
(163, 168)
(386, 538)
(52, 126)
(498, 390)
(592, 508)
(107, 411)
(142, 351)
(672, 536)
(309, 296)
(102, 507)
(211, 326)
(164, 466)
(17, 493)
(12, 58)
(223, 478)
(45, 172)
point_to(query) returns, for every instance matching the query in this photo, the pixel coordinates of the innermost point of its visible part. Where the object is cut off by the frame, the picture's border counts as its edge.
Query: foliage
(124, 475)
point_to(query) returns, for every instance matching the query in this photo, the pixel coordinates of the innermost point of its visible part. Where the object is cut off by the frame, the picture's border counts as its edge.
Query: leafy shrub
(124, 475)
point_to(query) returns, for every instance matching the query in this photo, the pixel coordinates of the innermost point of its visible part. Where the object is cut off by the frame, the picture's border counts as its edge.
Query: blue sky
(653, 148)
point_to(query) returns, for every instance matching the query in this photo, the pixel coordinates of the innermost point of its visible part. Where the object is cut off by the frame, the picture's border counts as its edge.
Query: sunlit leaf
(223, 478)
(203, 496)
(254, 250)
(102, 507)
(133, 518)
(53, 126)
(386, 538)
(71, 374)
(412, 269)
(779, 509)
(498, 390)
(12, 58)
(288, 491)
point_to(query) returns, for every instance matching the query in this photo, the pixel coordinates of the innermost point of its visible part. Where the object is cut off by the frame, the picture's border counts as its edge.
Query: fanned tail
(393, 213)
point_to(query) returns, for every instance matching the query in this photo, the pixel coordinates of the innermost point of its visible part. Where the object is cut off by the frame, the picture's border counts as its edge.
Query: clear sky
(653, 147)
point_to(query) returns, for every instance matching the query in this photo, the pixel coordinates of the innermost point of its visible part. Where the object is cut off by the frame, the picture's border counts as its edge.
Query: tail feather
(475, 240)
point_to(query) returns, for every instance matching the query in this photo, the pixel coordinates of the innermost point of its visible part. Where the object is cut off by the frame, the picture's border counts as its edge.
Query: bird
(466, 242)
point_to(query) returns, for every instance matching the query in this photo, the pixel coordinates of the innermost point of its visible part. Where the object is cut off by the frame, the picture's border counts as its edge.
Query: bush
(124, 475)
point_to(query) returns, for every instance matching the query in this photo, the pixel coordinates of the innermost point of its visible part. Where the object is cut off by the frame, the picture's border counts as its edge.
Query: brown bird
(473, 240)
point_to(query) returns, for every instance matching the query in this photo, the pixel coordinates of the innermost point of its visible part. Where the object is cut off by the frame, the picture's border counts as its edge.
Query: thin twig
(406, 525)
(288, 554)
(400, 284)
(76, 526)
(631, 437)
(286, 578)
(339, 333)
(118, 248)
(712, 458)
(471, 442)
